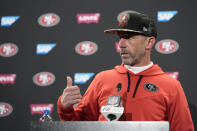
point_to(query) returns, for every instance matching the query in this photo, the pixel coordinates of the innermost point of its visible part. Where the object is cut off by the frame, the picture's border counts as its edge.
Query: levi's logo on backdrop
(173, 74)
(48, 19)
(43, 49)
(7, 21)
(167, 46)
(165, 16)
(82, 78)
(39, 108)
(86, 48)
(7, 78)
(8, 49)
(88, 18)
(5, 109)
(44, 78)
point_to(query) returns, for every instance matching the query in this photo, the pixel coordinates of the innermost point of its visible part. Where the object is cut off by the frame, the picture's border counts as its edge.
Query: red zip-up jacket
(150, 95)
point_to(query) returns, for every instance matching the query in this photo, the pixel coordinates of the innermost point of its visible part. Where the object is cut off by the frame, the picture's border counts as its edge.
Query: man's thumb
(69, 81)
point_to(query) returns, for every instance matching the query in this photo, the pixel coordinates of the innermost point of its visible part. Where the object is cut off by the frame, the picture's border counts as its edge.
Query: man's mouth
(124, 54)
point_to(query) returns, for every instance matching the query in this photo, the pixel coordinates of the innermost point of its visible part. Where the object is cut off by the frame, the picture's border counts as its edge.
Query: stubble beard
(129, 60)
(132, 60)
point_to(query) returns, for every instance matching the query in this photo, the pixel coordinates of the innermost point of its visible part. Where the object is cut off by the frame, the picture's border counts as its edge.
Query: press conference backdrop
(42, 42)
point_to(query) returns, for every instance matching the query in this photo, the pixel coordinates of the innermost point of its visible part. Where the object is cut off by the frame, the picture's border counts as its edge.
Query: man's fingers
(71, 89)
(71, 94)
(71, 98)
(76, 92)
(69, 81)
(75, 101)
(70, 102)
(74, 97)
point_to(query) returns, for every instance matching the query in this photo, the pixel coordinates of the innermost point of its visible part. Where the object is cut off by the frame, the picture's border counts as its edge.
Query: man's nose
(122, 43)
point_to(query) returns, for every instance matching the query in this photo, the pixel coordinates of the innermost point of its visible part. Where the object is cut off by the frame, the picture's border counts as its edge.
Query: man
(148, 94)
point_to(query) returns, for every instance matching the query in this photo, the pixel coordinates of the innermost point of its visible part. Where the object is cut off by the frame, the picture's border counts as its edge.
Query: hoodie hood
(153, 70)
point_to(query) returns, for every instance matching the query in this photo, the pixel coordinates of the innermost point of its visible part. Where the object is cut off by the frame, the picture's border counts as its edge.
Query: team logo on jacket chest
(150, 87)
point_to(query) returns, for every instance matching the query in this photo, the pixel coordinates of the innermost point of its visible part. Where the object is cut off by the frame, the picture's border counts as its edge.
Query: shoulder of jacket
(107, 73)
(171, 84)
(170, 80)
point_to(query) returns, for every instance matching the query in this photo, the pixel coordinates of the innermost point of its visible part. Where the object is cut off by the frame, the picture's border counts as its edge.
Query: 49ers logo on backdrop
(43, 78)
(167, 46)
(48, 19)
(39, 108)
(86, 48)
(5, 109)
(8, 49)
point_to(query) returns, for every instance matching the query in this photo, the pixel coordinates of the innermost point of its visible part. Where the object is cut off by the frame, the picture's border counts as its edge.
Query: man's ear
(150, 42)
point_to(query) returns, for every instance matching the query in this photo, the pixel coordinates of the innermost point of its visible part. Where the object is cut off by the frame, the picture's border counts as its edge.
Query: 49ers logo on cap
(8, 49)
(124, 18)
(86, 48)
(48, 20)
(44, 78)
(5, 109)
(167, 46)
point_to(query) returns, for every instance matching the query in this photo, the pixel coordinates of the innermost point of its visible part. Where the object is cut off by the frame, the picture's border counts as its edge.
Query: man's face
(132, 48)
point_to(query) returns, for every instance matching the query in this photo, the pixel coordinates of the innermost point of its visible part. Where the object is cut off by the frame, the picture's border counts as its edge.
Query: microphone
(118, 88)
(114, 108)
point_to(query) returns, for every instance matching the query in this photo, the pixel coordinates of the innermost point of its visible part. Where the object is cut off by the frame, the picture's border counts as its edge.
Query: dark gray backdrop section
(63, 60)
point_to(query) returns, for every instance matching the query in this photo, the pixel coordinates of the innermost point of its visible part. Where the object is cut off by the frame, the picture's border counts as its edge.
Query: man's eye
(125, 36)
